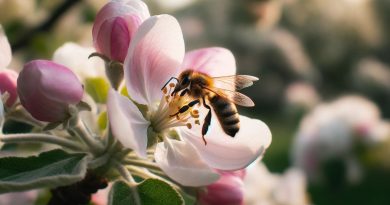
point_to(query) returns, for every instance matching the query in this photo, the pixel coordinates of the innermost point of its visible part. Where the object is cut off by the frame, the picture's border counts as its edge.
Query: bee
(219, 93)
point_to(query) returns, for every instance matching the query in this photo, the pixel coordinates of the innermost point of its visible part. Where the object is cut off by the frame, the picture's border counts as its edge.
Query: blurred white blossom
(265, 188)
(75, 57)
(332, 131)
(301, 95)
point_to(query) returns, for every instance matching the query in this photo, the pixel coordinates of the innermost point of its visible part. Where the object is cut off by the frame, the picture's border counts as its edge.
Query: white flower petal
(227, 153)
(5, 50)
(75, 57)
(213, 61)
(181, 162)
(127, 123)
(154, 56)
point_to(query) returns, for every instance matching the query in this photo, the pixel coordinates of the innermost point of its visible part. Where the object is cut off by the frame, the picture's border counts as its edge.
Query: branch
(46, 25)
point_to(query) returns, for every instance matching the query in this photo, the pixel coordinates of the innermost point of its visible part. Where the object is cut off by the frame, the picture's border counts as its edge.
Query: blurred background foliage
(304, 51)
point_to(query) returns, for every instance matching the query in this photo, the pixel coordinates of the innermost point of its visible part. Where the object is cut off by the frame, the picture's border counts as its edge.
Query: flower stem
(21, 115)
(129, 178)
(41, 138)
(141, 163)
(82, 132)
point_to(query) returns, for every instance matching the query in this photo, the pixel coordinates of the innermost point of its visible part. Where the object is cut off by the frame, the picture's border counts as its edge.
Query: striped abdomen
(226, 112)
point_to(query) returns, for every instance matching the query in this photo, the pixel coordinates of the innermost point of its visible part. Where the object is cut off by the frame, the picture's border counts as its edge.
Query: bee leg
(170, 79)
(185, 91)
(185, 107)
(207, 121)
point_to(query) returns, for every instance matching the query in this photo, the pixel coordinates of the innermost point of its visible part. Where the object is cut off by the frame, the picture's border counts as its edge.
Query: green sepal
(97, 88)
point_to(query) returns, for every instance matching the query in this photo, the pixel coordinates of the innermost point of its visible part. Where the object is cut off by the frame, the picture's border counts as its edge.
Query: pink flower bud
(8, 84)
(115, 26)
(227, 190)
(46, 89)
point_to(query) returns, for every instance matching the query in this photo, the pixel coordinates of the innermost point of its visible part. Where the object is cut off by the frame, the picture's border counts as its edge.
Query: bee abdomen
(227, 115)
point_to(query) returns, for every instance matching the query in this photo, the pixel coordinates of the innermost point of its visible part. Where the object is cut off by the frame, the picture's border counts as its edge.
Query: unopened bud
(227, 190)
(47, 89)
(115, 26)
(8, 80)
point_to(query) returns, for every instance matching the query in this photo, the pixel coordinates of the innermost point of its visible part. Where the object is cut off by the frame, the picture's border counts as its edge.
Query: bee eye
(185, 80)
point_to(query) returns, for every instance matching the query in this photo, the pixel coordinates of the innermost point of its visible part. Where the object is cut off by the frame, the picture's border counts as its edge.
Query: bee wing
(234, 82)
(233, 96)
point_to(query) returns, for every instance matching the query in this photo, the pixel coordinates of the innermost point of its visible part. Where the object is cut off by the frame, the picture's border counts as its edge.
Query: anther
(197, 122)
(195, 113)
(165, 90)
(189, 126)
(171, 85)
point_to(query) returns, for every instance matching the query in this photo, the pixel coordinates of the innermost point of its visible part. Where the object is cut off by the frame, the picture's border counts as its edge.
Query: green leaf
(49, 169)
(151, 192)
(97, 88)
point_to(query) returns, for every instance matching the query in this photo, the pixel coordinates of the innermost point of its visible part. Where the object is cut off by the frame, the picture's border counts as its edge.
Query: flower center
(169, 113)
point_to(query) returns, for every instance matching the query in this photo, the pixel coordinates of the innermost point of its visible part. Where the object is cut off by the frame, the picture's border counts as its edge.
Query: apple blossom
(8, 79)
(46, 89)
(156, 54)
(115, 26)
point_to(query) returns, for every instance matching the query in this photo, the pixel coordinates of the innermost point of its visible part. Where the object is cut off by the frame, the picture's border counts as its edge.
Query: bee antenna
(170, 79)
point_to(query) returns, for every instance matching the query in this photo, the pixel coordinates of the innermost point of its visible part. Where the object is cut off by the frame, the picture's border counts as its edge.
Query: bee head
(183, 83)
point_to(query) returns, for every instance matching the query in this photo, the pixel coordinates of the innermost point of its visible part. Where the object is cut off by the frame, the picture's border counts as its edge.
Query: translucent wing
(233, 96)
(234, 82)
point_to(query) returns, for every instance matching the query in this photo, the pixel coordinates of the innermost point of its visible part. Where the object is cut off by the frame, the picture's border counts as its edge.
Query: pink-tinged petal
(213, 61)
(181, 162)
(154, 56)
(239, 173)
(227, 153)
(228, 190)
(5, 50)
(8, 84)
(127, 123)
(119, 8)
(121, 35)
(115, 35)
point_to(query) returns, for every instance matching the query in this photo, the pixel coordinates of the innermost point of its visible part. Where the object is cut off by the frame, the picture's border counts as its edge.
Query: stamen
(167, 114)
(195, 113)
